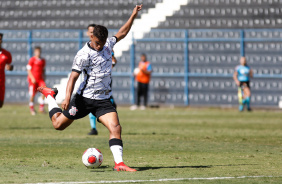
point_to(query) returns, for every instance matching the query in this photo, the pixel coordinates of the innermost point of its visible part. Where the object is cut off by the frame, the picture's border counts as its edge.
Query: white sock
(30, 103)
(51, 103)
(41, 101)
(117, 153)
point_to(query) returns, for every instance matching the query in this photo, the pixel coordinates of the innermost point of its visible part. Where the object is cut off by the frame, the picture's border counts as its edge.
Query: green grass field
(160, 143)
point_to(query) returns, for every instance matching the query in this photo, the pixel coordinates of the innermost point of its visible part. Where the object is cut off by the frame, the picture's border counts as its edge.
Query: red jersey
(5, 58)
(36, 66)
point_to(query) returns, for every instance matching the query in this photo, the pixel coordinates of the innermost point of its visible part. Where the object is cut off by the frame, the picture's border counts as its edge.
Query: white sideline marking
(165, 179)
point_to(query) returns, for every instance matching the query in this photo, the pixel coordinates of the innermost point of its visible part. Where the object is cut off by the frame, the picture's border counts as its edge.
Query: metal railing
(186, 40)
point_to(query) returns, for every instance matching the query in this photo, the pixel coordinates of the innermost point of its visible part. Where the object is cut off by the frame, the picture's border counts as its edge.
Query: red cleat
(48, 91)
(122, 167)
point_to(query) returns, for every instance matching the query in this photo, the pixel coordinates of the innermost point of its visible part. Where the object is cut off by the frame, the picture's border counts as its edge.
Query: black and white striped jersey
(96, 67)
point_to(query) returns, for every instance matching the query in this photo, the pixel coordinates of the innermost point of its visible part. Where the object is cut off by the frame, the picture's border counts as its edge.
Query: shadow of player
(193, 167)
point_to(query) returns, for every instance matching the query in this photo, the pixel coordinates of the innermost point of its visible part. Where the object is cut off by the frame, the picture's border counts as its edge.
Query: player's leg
(2, 94)
(41, 100)
(110, 120)
(247, 97)
(59, 120)
(143, 90)
(92, 119)
(240, 98)
(41, 104)
(107, 115)
(32, 92)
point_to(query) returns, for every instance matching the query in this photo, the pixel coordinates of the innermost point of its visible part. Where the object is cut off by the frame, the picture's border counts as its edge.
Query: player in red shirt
(5, 62)
(36, 76)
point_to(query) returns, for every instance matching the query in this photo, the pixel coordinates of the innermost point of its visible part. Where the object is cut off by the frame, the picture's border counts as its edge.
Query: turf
(160, 143)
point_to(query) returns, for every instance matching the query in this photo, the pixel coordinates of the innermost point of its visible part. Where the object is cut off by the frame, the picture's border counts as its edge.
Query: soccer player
(94, 60)
(36, 76)
(5, 63)
(241, 76)
(92, 118)
(143, 79)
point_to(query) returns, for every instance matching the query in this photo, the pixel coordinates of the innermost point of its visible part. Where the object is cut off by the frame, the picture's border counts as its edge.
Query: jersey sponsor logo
(73, 111)
(106, 92)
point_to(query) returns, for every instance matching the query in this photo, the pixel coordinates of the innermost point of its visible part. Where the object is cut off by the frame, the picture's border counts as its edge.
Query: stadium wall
(190, 67)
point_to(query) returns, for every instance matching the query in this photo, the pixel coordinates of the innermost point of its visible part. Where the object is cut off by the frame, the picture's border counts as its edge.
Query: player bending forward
(93, 95)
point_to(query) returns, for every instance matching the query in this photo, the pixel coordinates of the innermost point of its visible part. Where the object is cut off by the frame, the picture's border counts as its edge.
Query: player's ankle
(120, 163)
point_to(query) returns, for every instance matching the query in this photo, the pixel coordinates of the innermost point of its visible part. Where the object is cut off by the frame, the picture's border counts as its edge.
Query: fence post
(242, 42)
(186, 68)
(132, 66)
(80, 39)
(29, 42)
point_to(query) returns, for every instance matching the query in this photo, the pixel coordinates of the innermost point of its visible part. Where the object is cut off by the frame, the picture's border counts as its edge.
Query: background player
(143, 79)
(5, 62)
(92, 118)
(36, 77)
(93, 95)
(242, 75)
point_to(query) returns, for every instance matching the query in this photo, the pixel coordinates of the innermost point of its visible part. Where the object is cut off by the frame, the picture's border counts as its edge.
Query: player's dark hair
(101, 32)
(143, 54)
(1, 34)
(37, 47)
(91, 25)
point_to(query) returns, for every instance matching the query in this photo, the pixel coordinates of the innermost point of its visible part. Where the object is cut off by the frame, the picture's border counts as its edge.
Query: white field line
(165, 179)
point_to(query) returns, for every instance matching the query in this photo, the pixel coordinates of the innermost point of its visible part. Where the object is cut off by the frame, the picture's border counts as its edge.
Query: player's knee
(58, 126)
(116, 129)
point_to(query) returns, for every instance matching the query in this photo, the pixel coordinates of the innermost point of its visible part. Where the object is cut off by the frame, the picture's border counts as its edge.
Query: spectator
(142, 77)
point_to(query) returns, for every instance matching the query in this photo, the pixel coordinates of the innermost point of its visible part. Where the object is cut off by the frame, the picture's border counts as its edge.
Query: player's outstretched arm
(73, 78)
(127, 26)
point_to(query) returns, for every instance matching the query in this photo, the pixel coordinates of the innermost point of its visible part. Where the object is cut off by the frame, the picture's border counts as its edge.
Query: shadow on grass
(100, 169)
(106, 167)
(150, 133)
(193, 167)
(27, 128)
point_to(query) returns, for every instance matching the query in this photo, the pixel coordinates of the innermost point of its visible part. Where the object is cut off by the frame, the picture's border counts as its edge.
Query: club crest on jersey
(73, 111)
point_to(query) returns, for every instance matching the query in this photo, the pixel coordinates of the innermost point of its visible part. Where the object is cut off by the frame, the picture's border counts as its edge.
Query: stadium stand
(65, 14)
(224, 14)
(205, 57)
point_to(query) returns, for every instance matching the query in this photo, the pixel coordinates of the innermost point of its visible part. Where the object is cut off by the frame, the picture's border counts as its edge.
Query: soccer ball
(136, 71)
(92, 158)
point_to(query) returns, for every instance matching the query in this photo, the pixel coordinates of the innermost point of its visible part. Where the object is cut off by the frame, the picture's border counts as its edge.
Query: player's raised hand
(137, 9)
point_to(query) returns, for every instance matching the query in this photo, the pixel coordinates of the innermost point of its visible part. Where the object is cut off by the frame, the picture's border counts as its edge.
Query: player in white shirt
(92, 118)
(94, 60)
